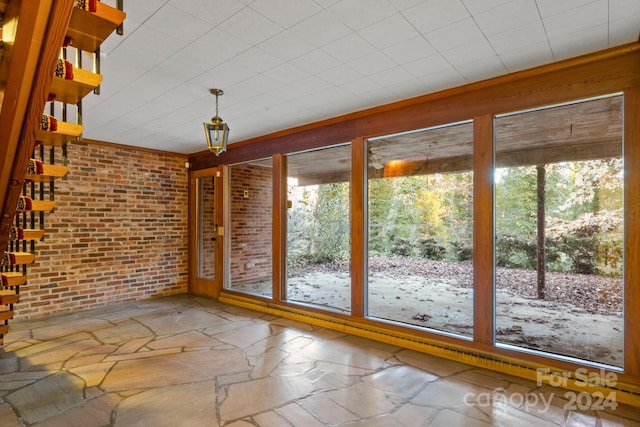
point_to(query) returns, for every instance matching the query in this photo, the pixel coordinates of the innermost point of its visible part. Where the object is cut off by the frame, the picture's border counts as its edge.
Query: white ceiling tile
(578, 19)
(457, 34)
(475, 51)
(581, 42)
(410, 50)
(476, 7)
(250, 26)
(482, 69)
(283, 63)
(286, 46)
(507, 16)
(321, 29)
(213, 12)
(257, 60)
(518, 37)
(391, 76)
(554, 7)
(373, 63)
(433, 14)
(316, 61)
(391, 31)
(340, 75)
(177, 24)
(286, 13)
(527, 56)
(287, 73)
(349, 48)
(358, 14)
(226, 74)
(404, 4)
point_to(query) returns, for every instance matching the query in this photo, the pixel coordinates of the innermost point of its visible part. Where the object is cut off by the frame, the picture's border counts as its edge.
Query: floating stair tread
(31, 234)
(40, 206)
(3, 330)
(8, 296)
(23, 258)
(14, 278)
(6, 314)
(89, 29)
(66, 132)
(72, 91)
(50, 173)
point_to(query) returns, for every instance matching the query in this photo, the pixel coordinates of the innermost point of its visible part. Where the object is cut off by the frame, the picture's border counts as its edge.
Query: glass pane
(559, 231)
(250, 227)
(206, 228)
(318, 232)
(420, 228)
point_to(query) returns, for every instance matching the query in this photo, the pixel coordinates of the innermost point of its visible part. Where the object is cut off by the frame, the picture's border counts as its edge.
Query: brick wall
(251, 224)
(119, 232)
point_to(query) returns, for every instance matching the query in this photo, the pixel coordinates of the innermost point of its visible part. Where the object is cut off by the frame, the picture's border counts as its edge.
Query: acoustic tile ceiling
(285, 63)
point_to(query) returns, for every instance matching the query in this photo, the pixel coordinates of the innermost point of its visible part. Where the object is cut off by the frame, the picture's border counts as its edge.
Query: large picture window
(250, 227)
(318, 244)
(420, 228)
(559, 230)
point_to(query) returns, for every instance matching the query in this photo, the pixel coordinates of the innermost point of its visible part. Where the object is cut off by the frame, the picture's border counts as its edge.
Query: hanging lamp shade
(216, 131)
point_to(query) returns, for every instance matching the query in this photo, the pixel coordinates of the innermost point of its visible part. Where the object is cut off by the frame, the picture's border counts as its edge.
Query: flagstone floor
(189, 361)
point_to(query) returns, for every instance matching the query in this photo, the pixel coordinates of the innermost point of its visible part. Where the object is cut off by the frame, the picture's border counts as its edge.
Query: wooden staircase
(34, 72)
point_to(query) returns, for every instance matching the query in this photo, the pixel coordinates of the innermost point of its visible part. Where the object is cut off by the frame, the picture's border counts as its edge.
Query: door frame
(199, 285)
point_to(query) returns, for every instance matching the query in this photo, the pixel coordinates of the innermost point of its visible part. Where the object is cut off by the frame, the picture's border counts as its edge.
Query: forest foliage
(431, 216)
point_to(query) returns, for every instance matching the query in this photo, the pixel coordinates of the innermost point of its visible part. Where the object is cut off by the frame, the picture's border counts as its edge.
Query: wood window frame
(600, 73)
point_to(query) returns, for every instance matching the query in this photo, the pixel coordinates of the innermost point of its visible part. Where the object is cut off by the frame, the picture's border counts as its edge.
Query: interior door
(205, 232)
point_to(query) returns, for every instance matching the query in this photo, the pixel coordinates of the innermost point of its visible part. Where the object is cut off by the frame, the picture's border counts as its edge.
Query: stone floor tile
(123, 332)
(339, 352)
(362, 399)
(298, 416)
(435, 365)
(245, 336)
(62, 328)
(185, 339)
(409, 415)
(54, 360)
(446, 393)
(179, 319)
(47, 346)
(92, 413)
(8, 418)
(404, 381)
(448, 418)
(327, 410)
(174, 369)
(271, 419)
(170, 406)
(132, 346)
(268, 362)
(142, 355)
(48, 397)
(298, 376)
(264, 394)
(92, 374)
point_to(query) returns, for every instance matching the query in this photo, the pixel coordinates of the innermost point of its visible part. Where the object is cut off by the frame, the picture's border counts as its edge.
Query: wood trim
(599, 73)
(358, 221)
(483, 292)
(197, 285)
(279, 230)
(632, 231)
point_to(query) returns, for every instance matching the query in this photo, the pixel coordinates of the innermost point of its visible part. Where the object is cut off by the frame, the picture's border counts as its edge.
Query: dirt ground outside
(581, 315)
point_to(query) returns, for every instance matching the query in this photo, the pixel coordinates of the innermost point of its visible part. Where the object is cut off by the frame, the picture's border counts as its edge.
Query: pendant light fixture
(216, 131)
